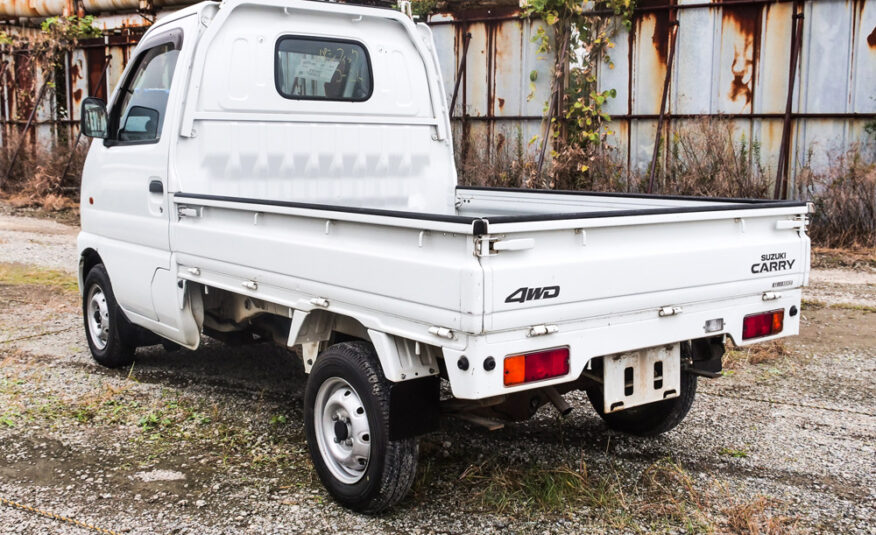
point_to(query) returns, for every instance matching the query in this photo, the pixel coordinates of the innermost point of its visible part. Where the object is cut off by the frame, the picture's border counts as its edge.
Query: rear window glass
(322, 69)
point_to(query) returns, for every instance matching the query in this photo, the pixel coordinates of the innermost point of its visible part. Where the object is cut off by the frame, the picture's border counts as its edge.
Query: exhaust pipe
(557, 400)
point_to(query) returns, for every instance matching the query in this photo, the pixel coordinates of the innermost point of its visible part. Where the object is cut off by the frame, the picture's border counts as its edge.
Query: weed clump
(844, 196)
(764, 353)
(37, 177)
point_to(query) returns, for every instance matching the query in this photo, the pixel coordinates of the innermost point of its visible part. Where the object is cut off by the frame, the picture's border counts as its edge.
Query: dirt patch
(855, 259)
(842, 287)
(826, 330)
(37, 225)
(843, 276)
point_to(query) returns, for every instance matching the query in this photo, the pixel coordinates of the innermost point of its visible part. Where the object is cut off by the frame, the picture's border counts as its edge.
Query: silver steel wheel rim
(97, 312)
(342, 430)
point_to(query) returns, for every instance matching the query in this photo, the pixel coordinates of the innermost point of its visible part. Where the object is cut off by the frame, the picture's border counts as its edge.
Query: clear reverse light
(714, 325)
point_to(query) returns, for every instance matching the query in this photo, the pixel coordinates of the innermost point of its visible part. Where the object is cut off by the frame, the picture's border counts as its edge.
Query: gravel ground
(211, 441)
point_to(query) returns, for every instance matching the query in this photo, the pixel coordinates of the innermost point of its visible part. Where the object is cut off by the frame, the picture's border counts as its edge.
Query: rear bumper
(607, 335)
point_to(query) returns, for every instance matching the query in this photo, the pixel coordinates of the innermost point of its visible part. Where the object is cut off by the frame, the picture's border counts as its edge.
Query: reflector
(536, 366)
(763, 324)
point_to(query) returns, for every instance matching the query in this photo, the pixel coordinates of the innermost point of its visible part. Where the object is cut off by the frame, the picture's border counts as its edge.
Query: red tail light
(536, 366)
(763, 324)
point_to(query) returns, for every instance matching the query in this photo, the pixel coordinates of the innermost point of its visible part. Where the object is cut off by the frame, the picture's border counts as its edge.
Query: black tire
(117, 347)
(389, 472)
(652, 419)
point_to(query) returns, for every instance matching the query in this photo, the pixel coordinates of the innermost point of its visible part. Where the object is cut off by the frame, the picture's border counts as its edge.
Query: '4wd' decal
(522, 295)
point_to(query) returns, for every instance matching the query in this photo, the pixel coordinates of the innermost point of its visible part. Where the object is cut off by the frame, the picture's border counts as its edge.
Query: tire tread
(121, 344)
(399, 456)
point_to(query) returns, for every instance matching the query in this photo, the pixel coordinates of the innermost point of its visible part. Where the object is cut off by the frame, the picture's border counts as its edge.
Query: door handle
(156, 187)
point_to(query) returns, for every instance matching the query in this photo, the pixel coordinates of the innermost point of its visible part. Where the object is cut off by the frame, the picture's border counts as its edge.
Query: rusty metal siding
(836, 66)
(499, 106)
(21, 83)
(733, 61)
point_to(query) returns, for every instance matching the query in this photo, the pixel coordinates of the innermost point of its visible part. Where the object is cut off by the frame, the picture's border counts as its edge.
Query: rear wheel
(111, 338)
(651, 419)
(346, 415)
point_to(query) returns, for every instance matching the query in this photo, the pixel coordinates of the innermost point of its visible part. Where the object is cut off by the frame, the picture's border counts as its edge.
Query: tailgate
(551, 272)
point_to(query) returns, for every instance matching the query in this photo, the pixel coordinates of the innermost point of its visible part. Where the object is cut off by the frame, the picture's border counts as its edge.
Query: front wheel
(651, 419)
(110, 336)
(346, 415)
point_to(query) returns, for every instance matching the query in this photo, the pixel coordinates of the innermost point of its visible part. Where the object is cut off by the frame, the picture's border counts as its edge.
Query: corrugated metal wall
(733, 60)
(82, 74)
(499, 106)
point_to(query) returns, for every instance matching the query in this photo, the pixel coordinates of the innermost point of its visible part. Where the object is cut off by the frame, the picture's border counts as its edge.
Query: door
(131, 204)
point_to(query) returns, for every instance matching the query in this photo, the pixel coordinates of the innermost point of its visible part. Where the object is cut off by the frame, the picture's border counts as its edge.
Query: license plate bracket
(639, 377)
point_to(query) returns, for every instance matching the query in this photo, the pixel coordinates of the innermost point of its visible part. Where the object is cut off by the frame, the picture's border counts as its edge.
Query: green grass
(7, 419)
(20, 274)
(732, 452)
(525, 491)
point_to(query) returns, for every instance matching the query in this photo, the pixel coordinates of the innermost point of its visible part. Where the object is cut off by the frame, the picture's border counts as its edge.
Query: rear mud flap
(413, 407)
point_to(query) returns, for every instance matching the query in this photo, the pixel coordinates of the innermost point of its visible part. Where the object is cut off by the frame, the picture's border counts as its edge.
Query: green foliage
(423, 8)
(154, 421)
(582, 41)
(870, 128)
(735, 453)
(278, 419)
(198, 418)
(70, 28)
(7, 419)
(47, 49)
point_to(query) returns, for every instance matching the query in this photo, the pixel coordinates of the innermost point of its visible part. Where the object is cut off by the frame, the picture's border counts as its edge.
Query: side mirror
(94, 118)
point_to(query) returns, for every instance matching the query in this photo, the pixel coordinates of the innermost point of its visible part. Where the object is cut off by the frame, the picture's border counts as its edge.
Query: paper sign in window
(318, 68)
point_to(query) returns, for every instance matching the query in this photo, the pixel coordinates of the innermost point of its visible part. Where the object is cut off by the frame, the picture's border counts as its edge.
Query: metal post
(662, 117)
(4, 113)
(36, 105)
(465, 41)
(106, 63)
(784, 150)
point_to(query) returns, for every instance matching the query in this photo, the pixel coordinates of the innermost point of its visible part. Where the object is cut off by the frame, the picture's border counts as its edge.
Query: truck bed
(613, 254)
(607, 252)
(514, 204)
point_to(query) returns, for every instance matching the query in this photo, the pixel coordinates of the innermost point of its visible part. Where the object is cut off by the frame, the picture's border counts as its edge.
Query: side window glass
(322, 69)
(139, 113)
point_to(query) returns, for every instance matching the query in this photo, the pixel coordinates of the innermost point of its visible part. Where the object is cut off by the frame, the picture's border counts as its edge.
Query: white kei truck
(283, 171)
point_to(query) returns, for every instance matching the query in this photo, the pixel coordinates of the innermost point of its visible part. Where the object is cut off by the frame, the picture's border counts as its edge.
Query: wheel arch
(401, 359)
(88, 258)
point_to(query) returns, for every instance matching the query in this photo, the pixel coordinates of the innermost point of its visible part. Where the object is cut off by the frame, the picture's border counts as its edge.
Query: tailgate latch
(669, 311)
(541, 330)
(791, 224)
(492, 245)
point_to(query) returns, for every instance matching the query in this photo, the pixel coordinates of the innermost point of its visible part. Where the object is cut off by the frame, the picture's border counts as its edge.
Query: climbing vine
(57, 35)
(45, 50)
(581, 40)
